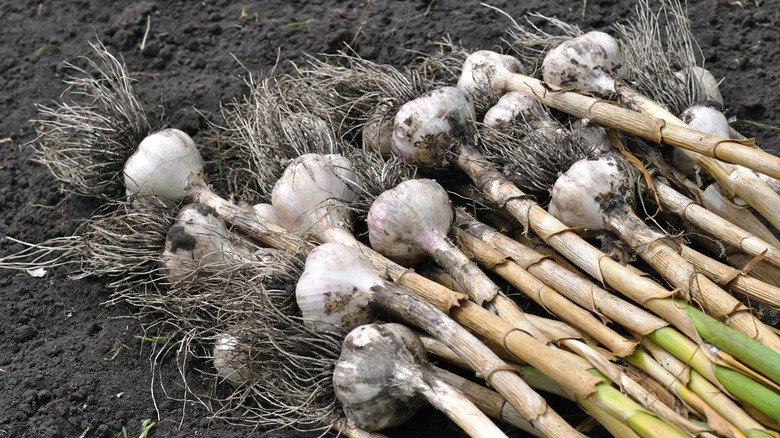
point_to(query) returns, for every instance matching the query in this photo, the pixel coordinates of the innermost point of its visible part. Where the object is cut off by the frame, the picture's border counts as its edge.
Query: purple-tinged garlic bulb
(590, 188)
(164, 164)
(313, 193)
(198, 238)
(408, 222)
(425, 126)
(377, 133)
(587, 62)
(480, 69)
(705, 81)
(334, 291)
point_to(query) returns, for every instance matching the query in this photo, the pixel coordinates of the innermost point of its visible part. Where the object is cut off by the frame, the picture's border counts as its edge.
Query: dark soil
(56, 335)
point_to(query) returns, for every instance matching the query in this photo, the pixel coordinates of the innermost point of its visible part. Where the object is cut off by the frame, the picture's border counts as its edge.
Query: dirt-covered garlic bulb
(592, 134)
(378, 373)
(163, 165)
(424, 125)
(704, 80)
(590, 188)
(480, 69)
(404, 220)
(587, 62)
(313, 193)
(199, 237)
(383, 377)
(333, 292)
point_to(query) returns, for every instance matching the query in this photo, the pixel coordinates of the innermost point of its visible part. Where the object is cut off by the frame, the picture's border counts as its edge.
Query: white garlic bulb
(590, 187)
(231, 361)
(164, 164)
(266, 212)
(425, 127)
(704, 80)
(403, 219)
(481, 69)
(517, 106)
(312, 194)
(706, 118)
(592, 134)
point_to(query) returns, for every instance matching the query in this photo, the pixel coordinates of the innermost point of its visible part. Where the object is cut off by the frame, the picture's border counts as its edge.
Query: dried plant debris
(86, 141)
(660, 53)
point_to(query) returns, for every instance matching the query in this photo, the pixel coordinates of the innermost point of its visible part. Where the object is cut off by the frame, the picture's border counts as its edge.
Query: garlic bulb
(232, 361)
(199, 237)
(266, 212)
(480, 69)
(378, 373)
(704, 118)
(586, 63)
(592, 134)
(425, 127)
(520, 107)
(312, 194)
(164, 164)
(403, 220)
(377, 133)
(334, 291)
(704, 80)
(589, 188)
(707, 118)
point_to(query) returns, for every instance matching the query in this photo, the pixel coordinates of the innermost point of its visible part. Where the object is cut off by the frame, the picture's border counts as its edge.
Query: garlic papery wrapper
(337, 278)
(313, 195)
(585, 63)
(478, 71)
(199, 237)
(423, 127)
(163, 165)
(266, 212)
(383, 376)
(590, 187)
(704, 80)
(411, 222)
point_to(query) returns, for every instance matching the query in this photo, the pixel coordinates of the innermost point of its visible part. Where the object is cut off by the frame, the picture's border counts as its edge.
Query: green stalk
(744, 388)
(614, 426)
(751, 352)
(700, 385)
(642, 422)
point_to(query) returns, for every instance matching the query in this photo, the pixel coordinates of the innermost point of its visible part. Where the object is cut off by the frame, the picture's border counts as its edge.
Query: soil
(57, 338)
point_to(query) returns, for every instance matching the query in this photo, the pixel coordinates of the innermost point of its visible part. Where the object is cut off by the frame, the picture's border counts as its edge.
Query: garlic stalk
(383, 376)
(496, 187)
(340, 289)
(596, 193)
